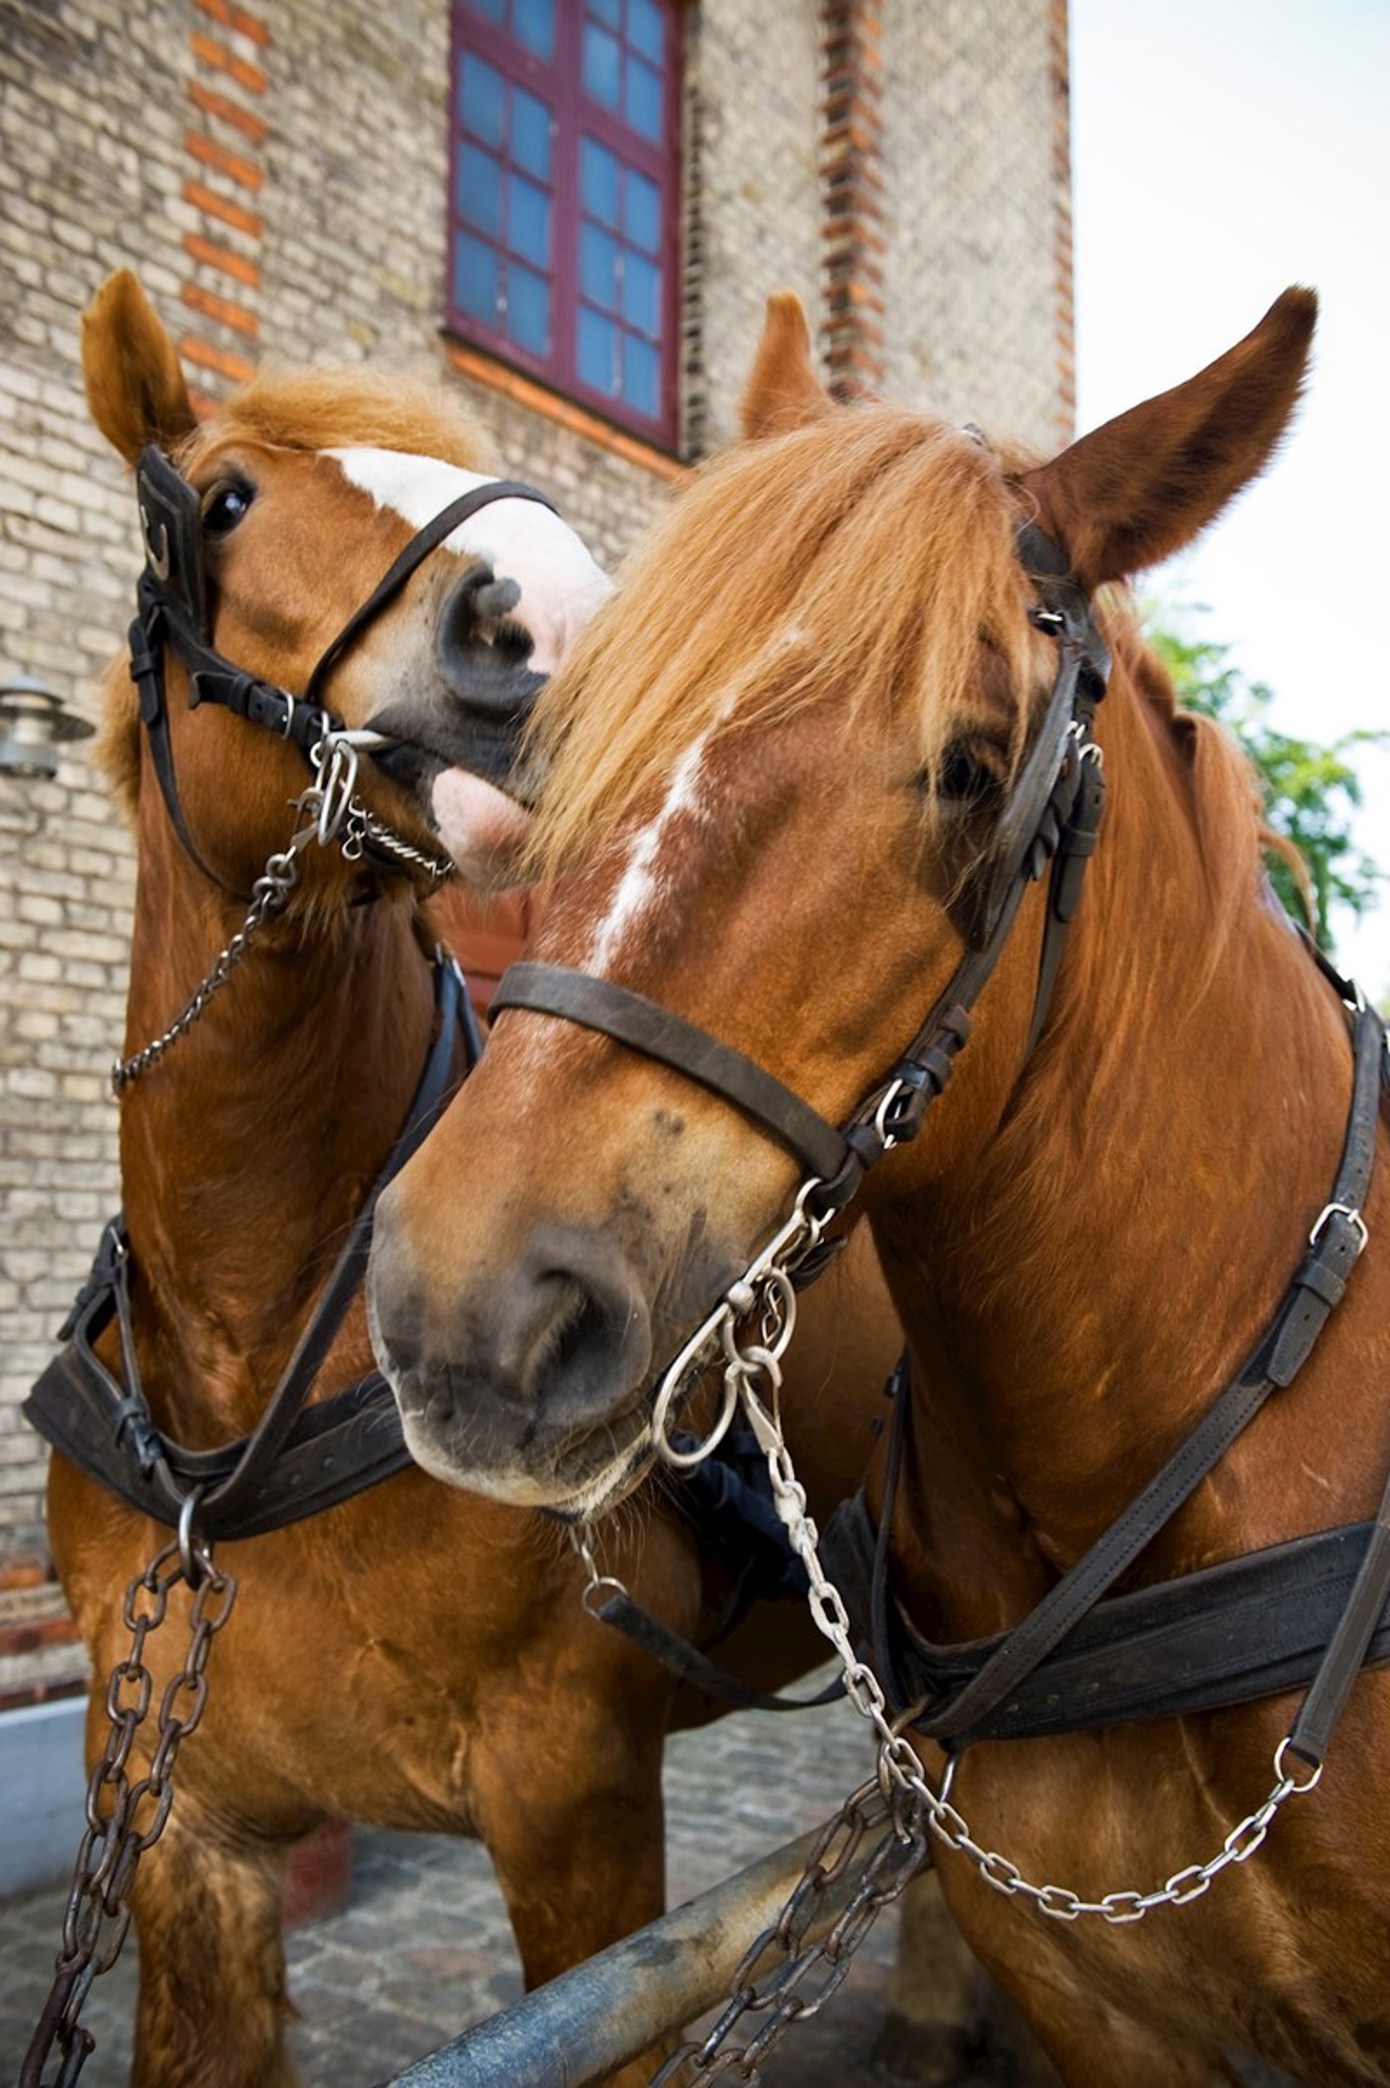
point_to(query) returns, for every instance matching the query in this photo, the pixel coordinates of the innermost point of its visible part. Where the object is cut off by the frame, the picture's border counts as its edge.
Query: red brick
(212, 205)
(225, 110)
(222, 309)
(229, 163)
(237, 19)
(218, 58)
(207, 255)
(236, 367)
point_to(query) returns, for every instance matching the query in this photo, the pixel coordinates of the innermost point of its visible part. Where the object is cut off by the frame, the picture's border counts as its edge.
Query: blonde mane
(869, 552)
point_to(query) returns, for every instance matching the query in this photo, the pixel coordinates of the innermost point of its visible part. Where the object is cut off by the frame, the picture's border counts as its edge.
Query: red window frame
(558, 82)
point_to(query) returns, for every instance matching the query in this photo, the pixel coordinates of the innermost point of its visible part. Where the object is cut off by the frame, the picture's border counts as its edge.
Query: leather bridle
(1052, 816)
(1061, 1668)
(173, 613)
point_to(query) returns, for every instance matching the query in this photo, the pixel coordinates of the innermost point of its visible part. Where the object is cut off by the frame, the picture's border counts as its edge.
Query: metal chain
(782, 1977)
(327, 813)
(269, 895)
(126, 1818)
(900, 1772)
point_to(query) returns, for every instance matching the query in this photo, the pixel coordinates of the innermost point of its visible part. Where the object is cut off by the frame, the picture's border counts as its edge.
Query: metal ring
(686, 1460)
(1297, 1788)
(192, 1565)
(595, 1587)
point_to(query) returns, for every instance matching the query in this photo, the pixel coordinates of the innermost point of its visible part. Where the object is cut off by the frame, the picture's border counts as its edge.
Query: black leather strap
(419, 548)
(679, 1657)
(616, 1011)
(299, 1458)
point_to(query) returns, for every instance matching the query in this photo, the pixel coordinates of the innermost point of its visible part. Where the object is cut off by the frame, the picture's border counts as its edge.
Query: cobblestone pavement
(423, 1949)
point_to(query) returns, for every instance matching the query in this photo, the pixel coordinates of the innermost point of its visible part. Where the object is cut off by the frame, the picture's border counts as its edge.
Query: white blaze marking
(561, 585)
(640, 882)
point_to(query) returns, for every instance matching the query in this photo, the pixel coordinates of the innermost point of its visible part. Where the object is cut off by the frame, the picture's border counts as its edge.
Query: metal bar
(616, 2006)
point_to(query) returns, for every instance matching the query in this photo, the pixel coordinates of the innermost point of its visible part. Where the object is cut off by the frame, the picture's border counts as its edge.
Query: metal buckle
(1351, 1214)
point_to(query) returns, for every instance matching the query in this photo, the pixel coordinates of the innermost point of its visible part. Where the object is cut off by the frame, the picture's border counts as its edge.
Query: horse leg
(580, 1856)
(212, 2007)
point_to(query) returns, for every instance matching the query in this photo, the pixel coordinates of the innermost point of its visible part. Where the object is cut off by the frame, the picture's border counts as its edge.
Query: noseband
(172, 598)
(1053, 816)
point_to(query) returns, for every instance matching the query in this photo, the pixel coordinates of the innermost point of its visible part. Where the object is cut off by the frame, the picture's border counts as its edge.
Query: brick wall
(276, 172)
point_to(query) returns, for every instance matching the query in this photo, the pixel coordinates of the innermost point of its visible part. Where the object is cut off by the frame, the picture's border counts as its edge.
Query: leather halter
(1052, 816)
(173, 611)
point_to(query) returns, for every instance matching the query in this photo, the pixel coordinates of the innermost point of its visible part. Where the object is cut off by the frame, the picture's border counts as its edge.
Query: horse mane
(326, 408)
(872, 550)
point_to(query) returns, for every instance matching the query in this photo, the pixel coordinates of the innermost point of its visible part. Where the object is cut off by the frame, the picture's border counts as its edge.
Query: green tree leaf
(1310, 789)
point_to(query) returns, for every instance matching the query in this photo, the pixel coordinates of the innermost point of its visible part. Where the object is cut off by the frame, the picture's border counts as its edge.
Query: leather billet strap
(299, 1458)
(1007, 1678)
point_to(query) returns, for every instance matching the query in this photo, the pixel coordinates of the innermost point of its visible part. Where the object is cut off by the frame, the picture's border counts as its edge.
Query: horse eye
(224, 507)
(968, 775)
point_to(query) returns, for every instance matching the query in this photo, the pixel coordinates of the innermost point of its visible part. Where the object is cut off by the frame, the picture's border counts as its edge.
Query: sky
(1223, 149)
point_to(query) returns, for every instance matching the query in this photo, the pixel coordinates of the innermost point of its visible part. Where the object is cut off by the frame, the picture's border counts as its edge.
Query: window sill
(484, 369)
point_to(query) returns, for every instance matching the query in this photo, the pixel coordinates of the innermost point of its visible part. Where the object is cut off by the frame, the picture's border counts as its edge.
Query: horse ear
(135, 387)
(1143, 485)
(783, 391)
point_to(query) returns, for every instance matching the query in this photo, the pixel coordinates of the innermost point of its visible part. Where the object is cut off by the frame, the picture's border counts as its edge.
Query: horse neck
(248, 1150)
(1079, 1291)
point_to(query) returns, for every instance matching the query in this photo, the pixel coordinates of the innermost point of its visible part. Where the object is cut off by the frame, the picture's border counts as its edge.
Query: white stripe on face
(561, 585)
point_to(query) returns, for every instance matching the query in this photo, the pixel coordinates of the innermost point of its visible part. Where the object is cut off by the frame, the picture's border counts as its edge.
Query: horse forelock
(860, 560)
(346, 408)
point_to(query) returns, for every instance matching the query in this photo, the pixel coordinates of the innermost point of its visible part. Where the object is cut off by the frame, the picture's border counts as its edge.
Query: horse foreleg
(578, 1849)
(212, 2006)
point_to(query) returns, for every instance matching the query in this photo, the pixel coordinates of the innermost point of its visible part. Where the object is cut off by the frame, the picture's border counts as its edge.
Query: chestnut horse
(413, 1657)
(784, 767)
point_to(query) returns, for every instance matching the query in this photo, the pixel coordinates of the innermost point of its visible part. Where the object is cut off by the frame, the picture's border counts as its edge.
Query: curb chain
(126, 1818)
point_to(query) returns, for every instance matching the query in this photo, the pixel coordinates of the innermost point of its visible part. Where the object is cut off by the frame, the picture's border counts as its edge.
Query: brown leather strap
(616, 1011)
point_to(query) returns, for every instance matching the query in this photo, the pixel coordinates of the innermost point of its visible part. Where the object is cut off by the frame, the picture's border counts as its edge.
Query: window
(564, 196)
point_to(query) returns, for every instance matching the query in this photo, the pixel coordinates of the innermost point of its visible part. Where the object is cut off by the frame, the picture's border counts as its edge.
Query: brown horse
(414, 1657)
(782, 768)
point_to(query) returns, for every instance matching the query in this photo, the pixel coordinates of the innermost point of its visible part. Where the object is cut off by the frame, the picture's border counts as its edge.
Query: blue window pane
(480, 99)
(598, 351)
(602, 59)
(528, 221)
(641, 293)
(644, 99)
(610, 11)
(641, 376)
(598, 181)
(475, 278)
(598, 266)
(530, 134)
(480, 189)
(491, 10)
(645, 29)
(534, 22)
(642, 211)
(528, 310)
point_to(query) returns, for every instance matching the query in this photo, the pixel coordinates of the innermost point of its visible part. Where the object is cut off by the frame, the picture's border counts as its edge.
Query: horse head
(781, 780)
(269, 528)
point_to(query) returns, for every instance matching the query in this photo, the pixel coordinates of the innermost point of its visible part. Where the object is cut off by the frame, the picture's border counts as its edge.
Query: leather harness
(1311, 1611)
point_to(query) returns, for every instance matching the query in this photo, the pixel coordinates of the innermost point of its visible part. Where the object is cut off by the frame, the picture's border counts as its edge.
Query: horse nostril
(482, 651)
(588, 1340)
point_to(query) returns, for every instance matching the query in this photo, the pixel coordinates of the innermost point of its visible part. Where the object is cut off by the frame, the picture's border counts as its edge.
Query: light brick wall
(276, 173)
(972, 209)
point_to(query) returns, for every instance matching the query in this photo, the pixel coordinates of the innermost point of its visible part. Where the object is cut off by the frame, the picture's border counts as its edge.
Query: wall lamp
(33, 724)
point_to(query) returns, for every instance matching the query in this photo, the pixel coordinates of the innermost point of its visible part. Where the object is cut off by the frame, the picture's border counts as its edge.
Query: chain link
(126, 1817)
(329, 812)
(784, 1978)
